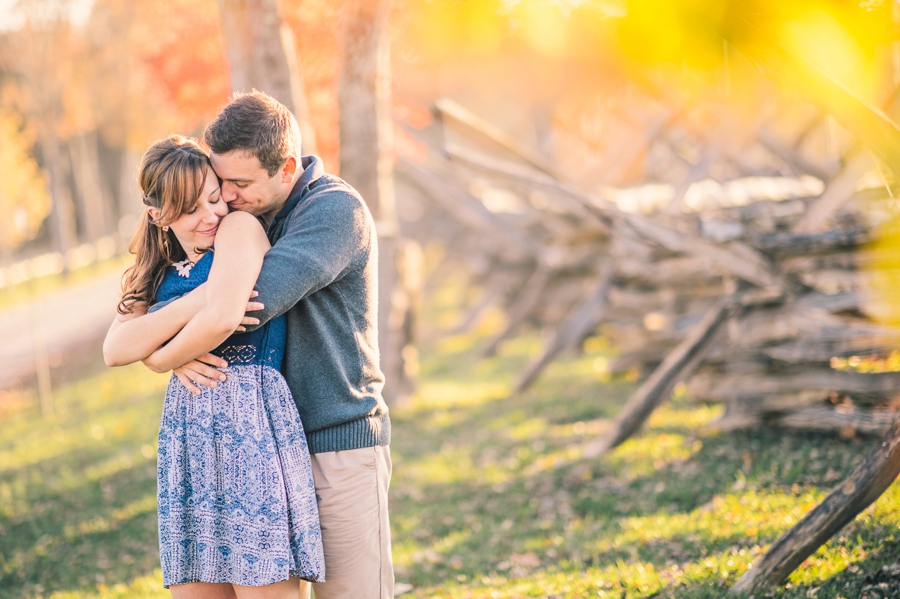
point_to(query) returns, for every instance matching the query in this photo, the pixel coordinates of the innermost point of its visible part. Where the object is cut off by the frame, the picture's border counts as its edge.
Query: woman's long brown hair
(171, 176)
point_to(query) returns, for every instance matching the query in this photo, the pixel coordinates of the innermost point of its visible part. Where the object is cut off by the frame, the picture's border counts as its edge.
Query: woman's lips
(210, 231)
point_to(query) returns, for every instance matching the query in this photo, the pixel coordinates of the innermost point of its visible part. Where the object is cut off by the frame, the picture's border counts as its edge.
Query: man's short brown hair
(256, 123)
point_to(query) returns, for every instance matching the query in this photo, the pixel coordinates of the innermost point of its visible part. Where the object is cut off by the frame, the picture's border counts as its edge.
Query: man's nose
(229, 191)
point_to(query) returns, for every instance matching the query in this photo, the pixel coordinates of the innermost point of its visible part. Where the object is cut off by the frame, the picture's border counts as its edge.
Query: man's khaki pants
(352, 492)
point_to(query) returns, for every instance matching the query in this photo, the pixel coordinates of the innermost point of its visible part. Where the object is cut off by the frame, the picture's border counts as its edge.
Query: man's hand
(251, 307)
(201, 371)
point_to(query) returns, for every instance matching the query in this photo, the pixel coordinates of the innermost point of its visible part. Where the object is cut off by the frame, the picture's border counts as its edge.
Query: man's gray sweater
(322, 272)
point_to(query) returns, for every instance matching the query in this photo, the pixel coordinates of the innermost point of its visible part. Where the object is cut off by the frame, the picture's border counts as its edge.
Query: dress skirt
(237, 500)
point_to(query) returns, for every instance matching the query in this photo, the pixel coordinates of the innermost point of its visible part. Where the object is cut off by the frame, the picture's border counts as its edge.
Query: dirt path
(70, 319)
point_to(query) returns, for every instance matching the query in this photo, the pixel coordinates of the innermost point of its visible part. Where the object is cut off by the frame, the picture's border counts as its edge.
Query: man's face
(247, 186)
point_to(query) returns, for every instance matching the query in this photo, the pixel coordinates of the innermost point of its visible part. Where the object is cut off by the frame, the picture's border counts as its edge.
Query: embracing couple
(255, 281)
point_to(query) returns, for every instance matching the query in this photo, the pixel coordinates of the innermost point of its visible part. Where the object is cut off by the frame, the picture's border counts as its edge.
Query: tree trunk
(130, 206)
(62, 215)
(366, 135)
(261, 55)
(92, 204)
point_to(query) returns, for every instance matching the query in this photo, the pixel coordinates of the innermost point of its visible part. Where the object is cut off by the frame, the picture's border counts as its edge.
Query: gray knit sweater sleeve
(323, 239)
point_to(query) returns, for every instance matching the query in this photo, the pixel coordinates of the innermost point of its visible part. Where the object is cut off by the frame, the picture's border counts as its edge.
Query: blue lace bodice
(264, 346)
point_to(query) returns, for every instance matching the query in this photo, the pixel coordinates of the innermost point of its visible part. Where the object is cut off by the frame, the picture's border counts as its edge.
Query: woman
(236, 498)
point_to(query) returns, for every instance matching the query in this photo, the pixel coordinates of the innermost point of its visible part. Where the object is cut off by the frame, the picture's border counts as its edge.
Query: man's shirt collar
(313, 170)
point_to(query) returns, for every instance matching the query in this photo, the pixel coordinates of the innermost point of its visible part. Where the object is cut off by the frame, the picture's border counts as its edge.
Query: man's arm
(320, 244)
(240, 246)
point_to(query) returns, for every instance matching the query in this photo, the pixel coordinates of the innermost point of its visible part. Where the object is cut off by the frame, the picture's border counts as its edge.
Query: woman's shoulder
(240, 229)
(239, 218)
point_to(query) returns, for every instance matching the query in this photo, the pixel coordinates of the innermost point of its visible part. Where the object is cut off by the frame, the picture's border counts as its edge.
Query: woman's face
(197, 229)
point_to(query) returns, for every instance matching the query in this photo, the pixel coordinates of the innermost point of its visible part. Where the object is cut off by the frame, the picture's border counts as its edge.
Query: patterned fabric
(265, 345)
(236, 495)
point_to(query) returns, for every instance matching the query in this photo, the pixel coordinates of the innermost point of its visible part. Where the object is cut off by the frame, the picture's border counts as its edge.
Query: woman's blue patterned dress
(237, 501)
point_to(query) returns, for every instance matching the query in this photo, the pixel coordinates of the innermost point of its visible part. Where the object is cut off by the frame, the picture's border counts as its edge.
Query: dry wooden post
(677, 365)
(864, 485)
(582, 320)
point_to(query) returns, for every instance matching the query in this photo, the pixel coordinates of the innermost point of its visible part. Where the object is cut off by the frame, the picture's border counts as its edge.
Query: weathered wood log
(864, 485)
(697, 172)
(802, 265)
(769, 140)
(669, 272)
(736, 258)
(792, 244)
(461, 206)
(449, 108)
(526, 178)
(791, 403)
(582, 320)
(836, 194)
(677, 365)
(863, 387)
(819, 347)
(763, 216)
(832, 280)
(803, 317)
(828, 419)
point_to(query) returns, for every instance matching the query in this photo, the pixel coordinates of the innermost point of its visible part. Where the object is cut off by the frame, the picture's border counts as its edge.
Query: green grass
(78, 489)
(491, 495)
(494, 498)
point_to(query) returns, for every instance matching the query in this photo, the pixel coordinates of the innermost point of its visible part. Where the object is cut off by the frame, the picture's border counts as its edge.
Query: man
(322, 273)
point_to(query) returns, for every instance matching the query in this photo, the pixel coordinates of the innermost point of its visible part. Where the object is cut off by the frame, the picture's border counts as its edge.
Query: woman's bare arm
(132, 337)
(241, 244)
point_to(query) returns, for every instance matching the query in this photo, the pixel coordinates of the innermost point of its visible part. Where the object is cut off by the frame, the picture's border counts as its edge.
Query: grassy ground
(491, 496)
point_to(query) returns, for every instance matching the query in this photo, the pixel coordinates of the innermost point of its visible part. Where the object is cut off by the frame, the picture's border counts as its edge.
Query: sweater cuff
(357, 434)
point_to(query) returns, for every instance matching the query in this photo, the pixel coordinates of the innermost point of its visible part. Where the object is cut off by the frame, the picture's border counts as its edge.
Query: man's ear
(289, 169)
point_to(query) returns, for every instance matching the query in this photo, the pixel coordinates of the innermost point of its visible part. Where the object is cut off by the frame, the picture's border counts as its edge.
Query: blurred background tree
(611, 93)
